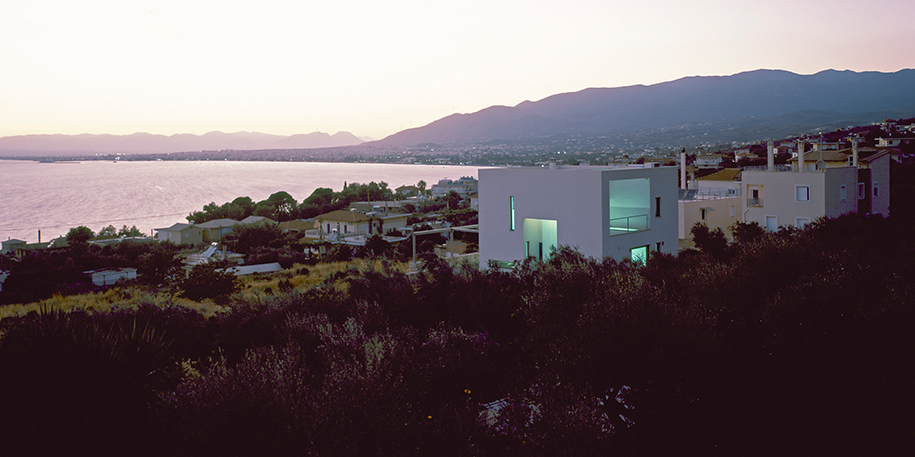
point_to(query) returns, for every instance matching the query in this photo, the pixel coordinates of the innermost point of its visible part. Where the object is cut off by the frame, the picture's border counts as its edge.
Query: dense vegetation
(794, 343)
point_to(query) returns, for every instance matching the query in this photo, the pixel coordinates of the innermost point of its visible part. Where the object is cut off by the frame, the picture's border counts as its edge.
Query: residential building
(464, 187)
(215, 229)
(623, 213)
(714, 207)
(181, 234)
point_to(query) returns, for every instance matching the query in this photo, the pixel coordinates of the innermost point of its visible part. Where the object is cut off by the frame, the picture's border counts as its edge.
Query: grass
(133, 296)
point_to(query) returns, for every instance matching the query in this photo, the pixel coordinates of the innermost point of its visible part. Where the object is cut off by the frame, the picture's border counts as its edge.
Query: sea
(51, 198)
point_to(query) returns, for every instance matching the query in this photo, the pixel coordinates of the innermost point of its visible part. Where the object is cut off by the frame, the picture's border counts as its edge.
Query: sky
(374, 68)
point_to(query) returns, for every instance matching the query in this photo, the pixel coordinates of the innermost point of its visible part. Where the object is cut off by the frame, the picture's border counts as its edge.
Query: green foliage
(79, 235)
(132, 231)
(792, 343)
(209, 280)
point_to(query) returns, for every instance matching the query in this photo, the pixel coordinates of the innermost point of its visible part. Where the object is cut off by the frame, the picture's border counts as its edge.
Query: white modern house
(624, 213)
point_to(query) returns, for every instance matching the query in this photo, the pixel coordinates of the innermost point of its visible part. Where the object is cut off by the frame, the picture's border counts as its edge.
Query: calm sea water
(53, 197)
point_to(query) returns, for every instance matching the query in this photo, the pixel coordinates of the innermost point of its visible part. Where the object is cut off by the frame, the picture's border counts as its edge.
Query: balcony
(756, 202)
(628, 224)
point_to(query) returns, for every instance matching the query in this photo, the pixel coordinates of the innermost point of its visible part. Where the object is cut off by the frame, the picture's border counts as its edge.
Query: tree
(132, 231)
(108, 231)
(711, 242)
(747, 232)
(208, 281)
(453, 199)
(79, 235)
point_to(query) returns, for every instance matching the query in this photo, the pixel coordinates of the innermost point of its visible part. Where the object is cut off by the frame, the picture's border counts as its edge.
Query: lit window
(511, 204)
(802, 193)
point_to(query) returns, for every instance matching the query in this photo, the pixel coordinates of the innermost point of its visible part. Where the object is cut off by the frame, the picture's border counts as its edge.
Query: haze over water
(56, 197)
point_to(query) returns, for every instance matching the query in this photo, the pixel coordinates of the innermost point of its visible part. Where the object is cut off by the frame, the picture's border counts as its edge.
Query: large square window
(802, 193)
(630, 205)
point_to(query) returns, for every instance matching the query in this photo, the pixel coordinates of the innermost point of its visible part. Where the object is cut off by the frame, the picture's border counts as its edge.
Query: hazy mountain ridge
(761, 94)
(147, 143)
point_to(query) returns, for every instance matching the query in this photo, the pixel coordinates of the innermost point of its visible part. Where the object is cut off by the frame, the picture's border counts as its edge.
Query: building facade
(623, 213)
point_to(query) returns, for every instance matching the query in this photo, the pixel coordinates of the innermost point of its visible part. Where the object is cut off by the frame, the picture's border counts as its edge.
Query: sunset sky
(377, 67)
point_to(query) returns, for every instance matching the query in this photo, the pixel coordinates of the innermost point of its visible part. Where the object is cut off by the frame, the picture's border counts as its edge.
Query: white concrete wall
(578, 199)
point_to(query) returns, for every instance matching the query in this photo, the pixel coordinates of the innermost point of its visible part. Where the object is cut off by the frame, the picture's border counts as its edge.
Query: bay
(54, 197)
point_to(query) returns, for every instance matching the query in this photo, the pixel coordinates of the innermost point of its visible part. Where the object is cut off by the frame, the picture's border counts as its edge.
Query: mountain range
(776, 99)
(747, 106)
(146, 143)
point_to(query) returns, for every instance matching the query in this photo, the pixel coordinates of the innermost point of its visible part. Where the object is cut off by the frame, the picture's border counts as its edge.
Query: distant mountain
(777, 99)
(146, 143)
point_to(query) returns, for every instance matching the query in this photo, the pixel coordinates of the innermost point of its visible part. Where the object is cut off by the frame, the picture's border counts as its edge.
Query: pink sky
(375, 68)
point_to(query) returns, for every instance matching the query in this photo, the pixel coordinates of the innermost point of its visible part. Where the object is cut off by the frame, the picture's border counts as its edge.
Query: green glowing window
(511, 205)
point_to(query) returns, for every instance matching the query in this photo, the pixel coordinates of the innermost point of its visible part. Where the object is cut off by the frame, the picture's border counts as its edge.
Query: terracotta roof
(826, 156)
(727, 174)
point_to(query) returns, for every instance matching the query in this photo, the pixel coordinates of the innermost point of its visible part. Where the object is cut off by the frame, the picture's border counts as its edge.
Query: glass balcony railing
(628, 224)
(754, 202)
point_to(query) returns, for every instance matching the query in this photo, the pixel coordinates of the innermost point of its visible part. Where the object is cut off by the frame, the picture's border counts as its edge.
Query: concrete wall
(722, 217)
(577, 198)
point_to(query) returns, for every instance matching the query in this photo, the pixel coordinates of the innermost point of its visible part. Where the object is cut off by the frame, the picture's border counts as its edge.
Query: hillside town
(624, 209)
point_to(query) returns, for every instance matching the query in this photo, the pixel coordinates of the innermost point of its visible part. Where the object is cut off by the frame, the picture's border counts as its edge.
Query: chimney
(800, 155)
(854, 153)
(683, 169)
(771, 146)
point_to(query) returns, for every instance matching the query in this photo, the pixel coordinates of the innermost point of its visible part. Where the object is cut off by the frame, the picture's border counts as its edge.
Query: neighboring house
(474, 201)
(709, 160)
(216, 229)
(110, 276)
(623, 213)
(13, 246)
(816, 160)
(343, 223)
(892, 142)
(407, 191)
(181, 234)
(256, 219)
(464, 187)
(382, 206)
(728, 178)
(713, 207)
(873, 190)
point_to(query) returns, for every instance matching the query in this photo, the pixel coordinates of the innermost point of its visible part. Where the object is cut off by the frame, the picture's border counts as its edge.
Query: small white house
(624, 213)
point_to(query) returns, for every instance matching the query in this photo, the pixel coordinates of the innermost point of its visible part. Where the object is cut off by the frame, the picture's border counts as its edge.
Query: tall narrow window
(657, 207)
(511, 205)
(876, 189)
(861, 193)
(843, 194)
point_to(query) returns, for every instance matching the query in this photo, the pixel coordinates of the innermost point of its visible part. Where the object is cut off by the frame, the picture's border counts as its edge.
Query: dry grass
(131, 297)
(259, 284)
